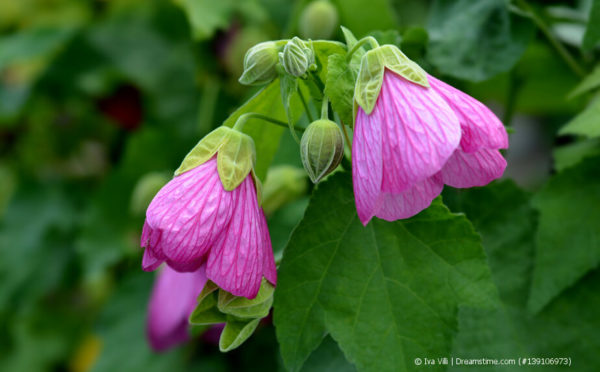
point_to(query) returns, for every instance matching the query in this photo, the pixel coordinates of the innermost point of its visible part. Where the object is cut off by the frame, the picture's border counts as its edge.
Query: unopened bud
(260, 64)
(321, 148)
(319, 20)
(297, 57)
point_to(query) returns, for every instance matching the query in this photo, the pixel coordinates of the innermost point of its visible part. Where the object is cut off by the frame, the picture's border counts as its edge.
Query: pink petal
(480, 127)
(173, 300)
(270, 271)
(367, 164)
(190, 212)
(473, 169)
(235, 262)
(392, 207)
(420, 132)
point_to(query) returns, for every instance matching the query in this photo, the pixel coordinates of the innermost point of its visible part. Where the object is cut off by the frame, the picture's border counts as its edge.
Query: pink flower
(193, 222)
(415, 140)
(173, 300)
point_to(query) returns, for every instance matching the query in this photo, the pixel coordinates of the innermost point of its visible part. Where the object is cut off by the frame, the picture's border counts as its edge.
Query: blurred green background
(100, 100)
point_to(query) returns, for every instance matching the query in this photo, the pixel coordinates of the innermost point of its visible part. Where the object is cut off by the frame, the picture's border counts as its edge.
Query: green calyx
(372, 68)
(240, 314)
(235, 151)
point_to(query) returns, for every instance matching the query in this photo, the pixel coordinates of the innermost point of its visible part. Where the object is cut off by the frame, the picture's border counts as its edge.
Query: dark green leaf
(568, 239)
(590, 82)
(571, 154)
(362, 18)
(387, 293)
(475, 40)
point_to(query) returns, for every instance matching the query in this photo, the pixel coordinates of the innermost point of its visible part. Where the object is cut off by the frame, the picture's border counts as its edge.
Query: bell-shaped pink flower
(172, 301)
(415, 140)
(195, 222)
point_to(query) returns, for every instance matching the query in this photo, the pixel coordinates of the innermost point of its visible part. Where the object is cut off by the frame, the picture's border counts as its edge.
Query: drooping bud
(235, 155)
(321, 148)
(370, 74)
(297, 57)
(318, 20)
(260, 64)
(145, 190)
(284, 184)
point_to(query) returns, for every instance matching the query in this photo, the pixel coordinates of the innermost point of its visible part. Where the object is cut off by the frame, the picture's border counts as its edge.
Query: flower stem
(560, 49)
(325, 108)
(239, 124)
(367, 39)
(346, 136)
(306, 108)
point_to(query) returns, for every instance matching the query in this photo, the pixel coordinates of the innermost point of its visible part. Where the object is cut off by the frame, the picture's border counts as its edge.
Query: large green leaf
(587, 123)
(568, 238)
(592, 32)
(387, 293)
(475, 40)
(510, 331)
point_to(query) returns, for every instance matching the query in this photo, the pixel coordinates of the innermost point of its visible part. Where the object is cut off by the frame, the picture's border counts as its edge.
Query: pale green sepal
(373, 65)
(205, 149)
(236, 331)
(206, 317)
(242, 307)
(235, 159)
(209, 288)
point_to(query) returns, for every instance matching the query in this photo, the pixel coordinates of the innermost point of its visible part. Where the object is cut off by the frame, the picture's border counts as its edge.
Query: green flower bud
(297, 57)
(318, 20)
(145, 190)
(260, 64)
(321, 148)
(284, 184)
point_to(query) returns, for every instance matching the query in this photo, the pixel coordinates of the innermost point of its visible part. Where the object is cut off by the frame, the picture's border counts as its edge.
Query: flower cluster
(412, 135)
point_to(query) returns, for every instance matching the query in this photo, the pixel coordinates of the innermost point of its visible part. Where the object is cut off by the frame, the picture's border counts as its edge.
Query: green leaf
(339, 87)
(32, 43)
(236, 331)
(590, 82)
(328, 358)
(587, 123)
(244, 308)
(362, 18)
(387, 293)
(475, 40)
(592, 32)
(568, 239)
(510, 331)
(206, 16)
(571, 154)
(289, 86)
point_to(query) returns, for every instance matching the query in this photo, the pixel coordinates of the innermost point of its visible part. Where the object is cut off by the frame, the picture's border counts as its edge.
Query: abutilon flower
(172, 301)
(414, 133)
(208, 216)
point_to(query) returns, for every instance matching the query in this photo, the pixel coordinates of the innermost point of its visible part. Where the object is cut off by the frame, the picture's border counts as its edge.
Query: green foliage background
(95, 95)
